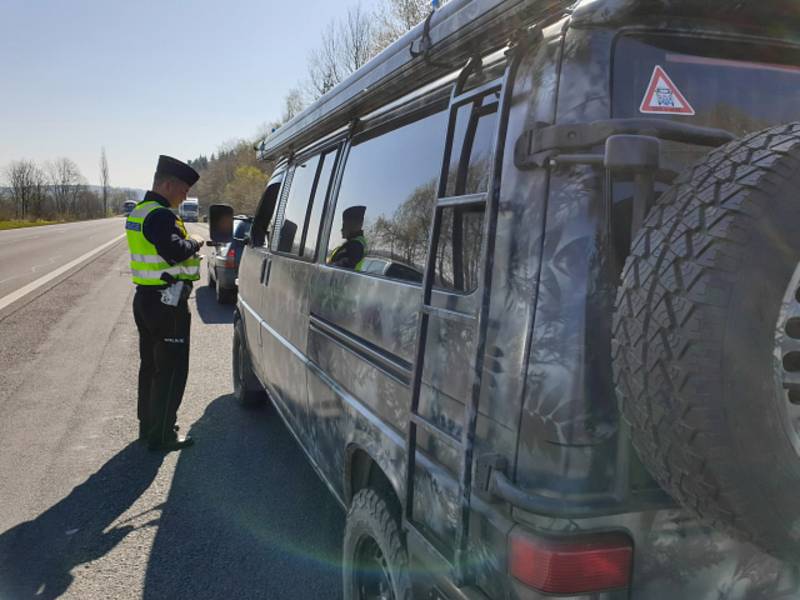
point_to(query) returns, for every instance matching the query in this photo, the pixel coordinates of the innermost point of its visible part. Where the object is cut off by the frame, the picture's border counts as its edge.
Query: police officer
(163, 256)
(350, 254)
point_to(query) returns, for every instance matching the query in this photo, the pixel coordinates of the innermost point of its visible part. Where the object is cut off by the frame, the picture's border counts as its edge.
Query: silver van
(525, 288)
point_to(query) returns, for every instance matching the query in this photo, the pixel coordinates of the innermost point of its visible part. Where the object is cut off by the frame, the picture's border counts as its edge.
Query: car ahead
(223, 261)
(128, 206)
(593, 391)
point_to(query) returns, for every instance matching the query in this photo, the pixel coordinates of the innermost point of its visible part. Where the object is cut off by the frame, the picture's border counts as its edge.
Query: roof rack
(441, 44)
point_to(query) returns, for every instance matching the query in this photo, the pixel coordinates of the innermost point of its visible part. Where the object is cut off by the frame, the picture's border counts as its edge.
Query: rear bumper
(226, 278)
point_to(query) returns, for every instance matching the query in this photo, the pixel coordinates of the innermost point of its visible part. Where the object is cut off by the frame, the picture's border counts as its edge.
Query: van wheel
(706, 340)
(375, 561)
(246, 387)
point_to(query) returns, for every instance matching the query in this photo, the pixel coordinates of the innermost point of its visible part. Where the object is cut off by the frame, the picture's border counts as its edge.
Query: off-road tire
(370, 516)
(694, 335)
(246, 387)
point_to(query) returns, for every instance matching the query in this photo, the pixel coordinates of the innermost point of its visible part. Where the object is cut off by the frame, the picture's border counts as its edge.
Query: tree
(66, 184)
(104, 179)
(396, 17)
(244, 190)
(27, 185)
(345, 46)
(293, 104)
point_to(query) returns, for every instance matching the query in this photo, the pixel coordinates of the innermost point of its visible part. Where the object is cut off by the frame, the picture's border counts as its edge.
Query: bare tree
(324, 69)
(293, 104)
(345, 46)
(396, 17)
(27, 185)
(104, 179)
(358, 39)
(66, 184)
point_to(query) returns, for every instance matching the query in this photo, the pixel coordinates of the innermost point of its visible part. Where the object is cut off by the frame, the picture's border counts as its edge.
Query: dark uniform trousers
(164, 366)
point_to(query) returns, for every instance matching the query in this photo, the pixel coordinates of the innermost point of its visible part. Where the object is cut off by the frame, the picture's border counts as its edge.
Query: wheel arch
(363, 470)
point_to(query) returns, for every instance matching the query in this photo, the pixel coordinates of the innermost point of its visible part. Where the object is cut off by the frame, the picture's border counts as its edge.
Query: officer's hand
(197, 239)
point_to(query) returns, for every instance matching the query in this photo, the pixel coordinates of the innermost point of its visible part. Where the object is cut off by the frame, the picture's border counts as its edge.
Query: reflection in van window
(473, 145)
(317, 205)
(265, 212)
(459, 249)
(294, 213)
(393, 178)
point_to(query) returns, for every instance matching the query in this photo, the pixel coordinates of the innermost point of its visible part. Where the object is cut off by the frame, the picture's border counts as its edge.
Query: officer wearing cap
(162, 252)
(351, 253)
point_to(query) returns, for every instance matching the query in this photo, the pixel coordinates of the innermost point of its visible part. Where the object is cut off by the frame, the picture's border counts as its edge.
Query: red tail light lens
(578, 565)
(230, 259)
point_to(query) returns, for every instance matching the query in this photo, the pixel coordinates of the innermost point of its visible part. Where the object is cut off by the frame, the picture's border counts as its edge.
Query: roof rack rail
(441, 44)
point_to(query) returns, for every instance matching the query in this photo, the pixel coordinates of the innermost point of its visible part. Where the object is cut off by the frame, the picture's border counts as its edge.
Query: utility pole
(104, 179)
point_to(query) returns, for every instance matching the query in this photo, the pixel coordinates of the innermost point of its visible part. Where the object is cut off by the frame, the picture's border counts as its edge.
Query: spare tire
(707, 340)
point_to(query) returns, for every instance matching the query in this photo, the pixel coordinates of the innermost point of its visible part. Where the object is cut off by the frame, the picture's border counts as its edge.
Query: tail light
(230, 258)
(573, 565)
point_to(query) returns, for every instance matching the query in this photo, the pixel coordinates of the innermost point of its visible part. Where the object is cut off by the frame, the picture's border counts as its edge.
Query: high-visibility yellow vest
(360, 264)
(147, 265)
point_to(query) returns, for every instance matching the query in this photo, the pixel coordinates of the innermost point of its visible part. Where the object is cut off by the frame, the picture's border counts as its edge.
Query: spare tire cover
(703, 337)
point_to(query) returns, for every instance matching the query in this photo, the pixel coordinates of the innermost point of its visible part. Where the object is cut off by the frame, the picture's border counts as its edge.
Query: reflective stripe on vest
(359, 264)
(146, 264)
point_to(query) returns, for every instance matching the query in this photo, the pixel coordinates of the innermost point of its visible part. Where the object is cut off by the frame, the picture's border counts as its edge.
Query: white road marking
(34, 285)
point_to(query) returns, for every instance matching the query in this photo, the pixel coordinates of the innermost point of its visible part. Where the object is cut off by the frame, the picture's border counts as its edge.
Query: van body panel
(284, 309)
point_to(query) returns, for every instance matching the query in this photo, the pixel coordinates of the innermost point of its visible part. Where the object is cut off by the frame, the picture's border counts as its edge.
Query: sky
(150, 77)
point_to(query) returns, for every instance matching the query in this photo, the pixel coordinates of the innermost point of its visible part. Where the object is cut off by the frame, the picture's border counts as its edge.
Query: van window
(459, 250)
(389, 183)
(265, 211)
(733, 85)
(314, 216)
(293, 217)
(473, 146)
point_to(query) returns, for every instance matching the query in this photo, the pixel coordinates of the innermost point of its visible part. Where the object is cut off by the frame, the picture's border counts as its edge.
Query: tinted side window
(317, 205)
(459, 251)
(293, 217)
(473, 147)
(241, 228)
(266, 210)
(392, 178)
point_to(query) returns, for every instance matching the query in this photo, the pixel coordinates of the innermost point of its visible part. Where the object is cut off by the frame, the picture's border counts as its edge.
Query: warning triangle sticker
(663, 97)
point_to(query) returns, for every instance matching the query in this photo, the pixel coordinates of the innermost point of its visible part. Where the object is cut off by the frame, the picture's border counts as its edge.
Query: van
(189, 210)
(584, 381)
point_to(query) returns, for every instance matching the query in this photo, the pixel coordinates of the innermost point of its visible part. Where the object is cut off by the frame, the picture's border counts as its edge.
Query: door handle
(265, 269)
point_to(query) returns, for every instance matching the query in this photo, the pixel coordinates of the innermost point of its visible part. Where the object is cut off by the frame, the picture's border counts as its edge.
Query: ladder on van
(459, 565)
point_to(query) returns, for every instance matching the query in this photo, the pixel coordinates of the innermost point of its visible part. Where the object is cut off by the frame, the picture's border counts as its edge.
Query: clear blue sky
(148, 77)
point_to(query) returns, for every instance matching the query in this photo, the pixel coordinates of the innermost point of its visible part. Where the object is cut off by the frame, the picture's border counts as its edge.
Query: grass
(17, 223)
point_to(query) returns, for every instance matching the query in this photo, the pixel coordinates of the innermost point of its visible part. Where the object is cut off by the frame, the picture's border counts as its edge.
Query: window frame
(317, 150)
(477, 98)
(279, 172)
(384, 124)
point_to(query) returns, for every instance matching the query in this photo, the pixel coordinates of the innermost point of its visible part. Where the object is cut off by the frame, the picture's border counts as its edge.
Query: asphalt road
(87, 513)
(32, 252)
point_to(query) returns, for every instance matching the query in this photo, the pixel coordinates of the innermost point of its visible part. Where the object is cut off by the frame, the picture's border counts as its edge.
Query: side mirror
(220, 223)
(246, 239)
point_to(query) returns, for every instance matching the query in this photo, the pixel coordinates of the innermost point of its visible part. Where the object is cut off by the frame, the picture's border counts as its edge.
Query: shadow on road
(211, 311)
(36, 556)
(247, 517)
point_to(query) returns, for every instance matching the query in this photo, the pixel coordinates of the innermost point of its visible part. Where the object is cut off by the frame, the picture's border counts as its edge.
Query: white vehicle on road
(190, 210)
